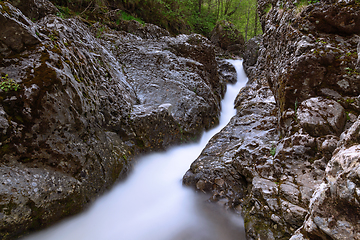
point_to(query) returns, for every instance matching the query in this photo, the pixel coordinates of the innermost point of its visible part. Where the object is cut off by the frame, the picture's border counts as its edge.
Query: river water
(152, 204)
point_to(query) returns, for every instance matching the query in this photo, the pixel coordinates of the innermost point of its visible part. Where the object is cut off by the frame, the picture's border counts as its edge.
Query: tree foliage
(180, 16)
(201, 15)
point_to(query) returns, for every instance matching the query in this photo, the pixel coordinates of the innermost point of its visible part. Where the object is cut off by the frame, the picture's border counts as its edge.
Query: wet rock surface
(35, 9)
(81, 102)
(288, 159)
(16, 32)
(321, 117)
(251, 52)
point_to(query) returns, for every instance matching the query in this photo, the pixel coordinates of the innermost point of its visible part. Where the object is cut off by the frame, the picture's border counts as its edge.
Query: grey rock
(351, 136)
(290, 192)
(321, 117)
(251, 52)
(16, 31)
(90, 100)
(293, 214)
(35, 9)
(147, 31)
(314, 87)
(227, 71)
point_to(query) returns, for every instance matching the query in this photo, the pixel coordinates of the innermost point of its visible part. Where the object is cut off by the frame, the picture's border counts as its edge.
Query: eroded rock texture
(78, 102)
(289, 159)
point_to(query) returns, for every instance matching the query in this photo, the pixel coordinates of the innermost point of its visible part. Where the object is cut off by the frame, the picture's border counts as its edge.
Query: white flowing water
(152, 204)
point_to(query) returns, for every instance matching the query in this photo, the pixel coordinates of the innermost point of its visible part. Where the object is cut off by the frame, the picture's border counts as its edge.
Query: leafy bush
(127, 17)
(8, 84)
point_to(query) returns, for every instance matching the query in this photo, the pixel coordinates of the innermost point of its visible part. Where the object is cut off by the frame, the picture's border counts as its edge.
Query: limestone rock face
(16, 31)
(334, 207)
(320, 117)
(82, 102)
(341, 18)
(289, 162)
(35, 9)
(227, 71)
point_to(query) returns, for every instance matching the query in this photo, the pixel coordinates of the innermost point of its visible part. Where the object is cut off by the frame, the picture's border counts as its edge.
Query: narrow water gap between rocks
(152, 204)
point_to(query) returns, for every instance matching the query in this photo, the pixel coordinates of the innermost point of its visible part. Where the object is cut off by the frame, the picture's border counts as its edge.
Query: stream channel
(152, 204)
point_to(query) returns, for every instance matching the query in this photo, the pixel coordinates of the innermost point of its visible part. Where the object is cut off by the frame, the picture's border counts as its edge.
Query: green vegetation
(295, 110)
(204, 14)
(177, 16)
(313, 1)
(351, 71)
(64, 12)
(273, 150)
(267, 8)
(8, 84)
(100, 31)
(127, 17)
(350, 100)
(301, 4)
(347, 116)
(296, 105)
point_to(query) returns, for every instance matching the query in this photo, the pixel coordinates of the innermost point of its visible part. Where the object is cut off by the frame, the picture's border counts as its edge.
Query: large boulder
(35, 9)
(227, 71)
(341, 18)
(16, 31)
(251, 52)
(227, 37)
(79, 103)
(147, 31)
(320, 117)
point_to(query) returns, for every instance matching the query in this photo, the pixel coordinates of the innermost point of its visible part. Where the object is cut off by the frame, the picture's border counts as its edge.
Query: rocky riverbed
(80, 101)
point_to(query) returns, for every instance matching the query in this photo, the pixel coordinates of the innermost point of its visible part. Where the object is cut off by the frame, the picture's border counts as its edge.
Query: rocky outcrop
(227, 37)
(16, 25)
(79, 102)
(292, 171)
(334, 207)
(35, 9)
(147, 31)
(251, 53)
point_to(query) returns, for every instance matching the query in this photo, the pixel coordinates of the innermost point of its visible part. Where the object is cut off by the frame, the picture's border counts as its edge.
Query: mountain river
(152, 204)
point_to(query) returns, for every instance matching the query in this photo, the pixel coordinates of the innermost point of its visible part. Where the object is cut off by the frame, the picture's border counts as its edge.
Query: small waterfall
(152, 204)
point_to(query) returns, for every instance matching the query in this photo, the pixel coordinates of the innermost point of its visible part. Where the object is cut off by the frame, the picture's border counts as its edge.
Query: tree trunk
(227, 6)
(247, 22)
(256, 22)
(233, 11)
